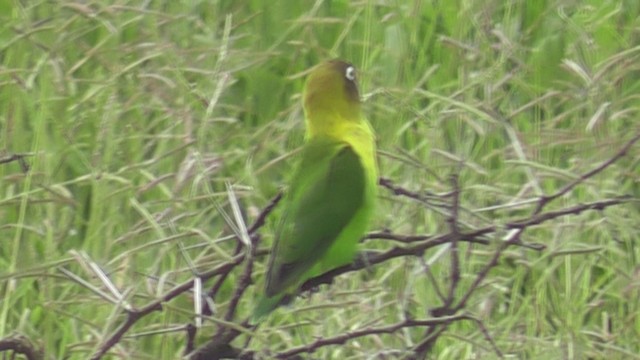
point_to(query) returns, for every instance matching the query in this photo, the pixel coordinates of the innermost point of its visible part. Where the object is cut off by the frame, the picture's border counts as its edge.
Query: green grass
(136, 119)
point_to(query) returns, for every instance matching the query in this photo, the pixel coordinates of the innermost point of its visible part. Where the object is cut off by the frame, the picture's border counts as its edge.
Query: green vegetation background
(140, 118)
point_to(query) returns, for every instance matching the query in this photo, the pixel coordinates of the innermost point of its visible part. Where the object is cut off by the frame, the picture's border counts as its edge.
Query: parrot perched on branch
(331, 196)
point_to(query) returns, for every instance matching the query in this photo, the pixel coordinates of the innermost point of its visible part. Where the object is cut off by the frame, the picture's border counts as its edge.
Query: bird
(332, 193)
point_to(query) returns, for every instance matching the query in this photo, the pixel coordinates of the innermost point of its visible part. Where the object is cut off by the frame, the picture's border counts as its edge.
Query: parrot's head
(331, 94)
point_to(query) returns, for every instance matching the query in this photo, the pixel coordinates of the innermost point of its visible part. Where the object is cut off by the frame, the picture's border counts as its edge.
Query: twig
(455, 237)
(574, 210)
(417, 248)
(537, 218)
(21, 345)
(544, 200)
(218, 347)
(350, 335)
(134, 315)
(433, 333)
(191, 331)
(397, 237)
(220, 343)
(260, 220)
(243, 284)
(17, 157)
(423, 347)
(399, 190)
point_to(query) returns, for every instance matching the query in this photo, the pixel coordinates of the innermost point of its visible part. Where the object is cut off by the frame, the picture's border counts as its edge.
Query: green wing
(326, 192)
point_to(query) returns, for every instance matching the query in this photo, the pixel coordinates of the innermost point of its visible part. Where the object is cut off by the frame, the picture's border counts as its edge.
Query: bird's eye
(350, 73)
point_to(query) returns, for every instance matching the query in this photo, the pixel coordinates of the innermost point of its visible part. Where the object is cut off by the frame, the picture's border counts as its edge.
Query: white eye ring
(350, 73)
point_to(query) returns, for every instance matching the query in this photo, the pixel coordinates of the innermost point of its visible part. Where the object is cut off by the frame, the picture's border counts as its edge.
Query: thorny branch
(536, 218)
(411, 245)
(418, 247)
(223, 270)
(134, 315)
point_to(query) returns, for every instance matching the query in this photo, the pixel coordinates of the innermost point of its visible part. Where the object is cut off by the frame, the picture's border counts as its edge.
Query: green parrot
(332, 194)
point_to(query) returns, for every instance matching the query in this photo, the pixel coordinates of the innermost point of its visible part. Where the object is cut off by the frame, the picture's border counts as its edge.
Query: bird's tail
(266, 305)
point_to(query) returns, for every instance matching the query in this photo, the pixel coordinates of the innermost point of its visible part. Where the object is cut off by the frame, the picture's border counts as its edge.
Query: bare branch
(589, 174)
(417, 248)
(399, 190)
(260, 220)
(537, 218)
(350, 335)
(455, 236)
(219, 346)
(17, 157)
(574, 210)
(222, 271)
(243, 284)
(413, 245)
(156, 305)
(21, 345)
(386, 235)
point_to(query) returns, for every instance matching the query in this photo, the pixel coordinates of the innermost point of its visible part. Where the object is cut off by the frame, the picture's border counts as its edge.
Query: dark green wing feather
(327, 191)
